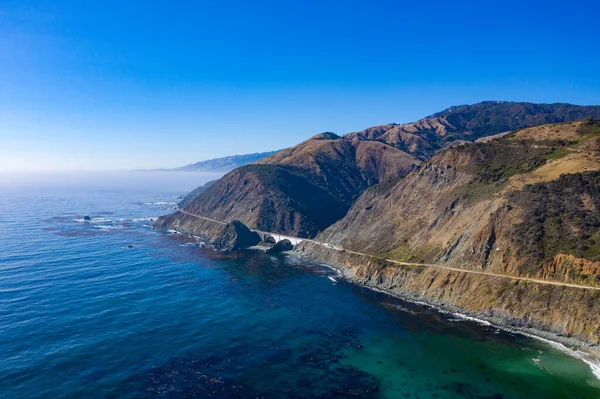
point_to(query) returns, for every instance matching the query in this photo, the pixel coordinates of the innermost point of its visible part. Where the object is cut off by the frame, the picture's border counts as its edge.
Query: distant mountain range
(224, 164)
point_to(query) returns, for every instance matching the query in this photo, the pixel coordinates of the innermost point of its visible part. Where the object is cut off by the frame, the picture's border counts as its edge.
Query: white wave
(588, 358)
(146, 219)
(93, 220)
(160, 203)
(593, 361)
(332, 279)
(109, 227)
(465, 317)
(142, 219)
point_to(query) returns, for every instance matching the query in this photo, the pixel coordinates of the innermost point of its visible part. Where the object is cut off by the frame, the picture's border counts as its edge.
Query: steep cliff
(522, 205)
(557, 312)
(229, 236)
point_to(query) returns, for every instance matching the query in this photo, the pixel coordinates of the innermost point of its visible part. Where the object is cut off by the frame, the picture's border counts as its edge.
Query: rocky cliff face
(228, 236)
(523, 205)
(472, 206)
(236, 235)
(562, 312)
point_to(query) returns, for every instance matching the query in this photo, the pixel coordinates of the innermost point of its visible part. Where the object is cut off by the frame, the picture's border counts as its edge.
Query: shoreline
(586, 352)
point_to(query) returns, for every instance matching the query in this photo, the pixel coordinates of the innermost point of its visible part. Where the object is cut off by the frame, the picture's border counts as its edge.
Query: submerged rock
(236, 235)
(283, 245)
(87, 218)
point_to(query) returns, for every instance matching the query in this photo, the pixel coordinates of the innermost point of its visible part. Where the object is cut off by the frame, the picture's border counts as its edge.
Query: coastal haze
(299, 200)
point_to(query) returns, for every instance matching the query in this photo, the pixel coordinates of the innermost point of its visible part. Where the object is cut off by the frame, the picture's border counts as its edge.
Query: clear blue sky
(141, 84)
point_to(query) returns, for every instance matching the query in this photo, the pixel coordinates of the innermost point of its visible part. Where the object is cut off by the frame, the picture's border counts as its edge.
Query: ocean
(110, 308)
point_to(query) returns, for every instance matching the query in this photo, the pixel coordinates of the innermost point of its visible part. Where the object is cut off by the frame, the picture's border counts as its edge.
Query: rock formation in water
(236, 235)
(281, 246)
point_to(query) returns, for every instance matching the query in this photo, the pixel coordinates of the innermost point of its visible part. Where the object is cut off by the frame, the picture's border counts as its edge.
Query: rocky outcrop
(281, 246)
(188, 224)
(230, 236)
(569, 268)
(236, 235)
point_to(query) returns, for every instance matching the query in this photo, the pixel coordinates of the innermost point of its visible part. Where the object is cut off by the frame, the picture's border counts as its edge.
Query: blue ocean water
(110, 308)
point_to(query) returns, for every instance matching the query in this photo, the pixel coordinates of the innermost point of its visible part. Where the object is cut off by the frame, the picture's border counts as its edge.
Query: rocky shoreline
(399, 282)
(589, 352)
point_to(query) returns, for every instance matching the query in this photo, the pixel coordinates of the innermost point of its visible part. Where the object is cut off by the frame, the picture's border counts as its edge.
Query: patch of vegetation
(557, 219)
(421, 254)
(478, 190)
(589, 126)
(496, 163)
(493, 164)
(303, 192)
(557, 153)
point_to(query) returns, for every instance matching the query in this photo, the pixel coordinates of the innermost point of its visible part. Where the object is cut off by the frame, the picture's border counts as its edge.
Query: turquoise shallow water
(112, 309)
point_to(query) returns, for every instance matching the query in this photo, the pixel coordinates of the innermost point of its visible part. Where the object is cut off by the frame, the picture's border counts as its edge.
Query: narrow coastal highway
(201, 217)
(454, 269)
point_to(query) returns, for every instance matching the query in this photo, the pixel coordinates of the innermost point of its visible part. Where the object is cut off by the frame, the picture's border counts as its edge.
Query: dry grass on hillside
(562, 131)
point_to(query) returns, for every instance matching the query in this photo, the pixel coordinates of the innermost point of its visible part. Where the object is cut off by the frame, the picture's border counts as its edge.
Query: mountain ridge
(222, 164)
(470, 122)
(337, 169)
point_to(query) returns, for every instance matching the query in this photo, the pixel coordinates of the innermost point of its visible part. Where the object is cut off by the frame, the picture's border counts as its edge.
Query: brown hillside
(471, 122)
(464, 206)
(525, 205)
(304, 189)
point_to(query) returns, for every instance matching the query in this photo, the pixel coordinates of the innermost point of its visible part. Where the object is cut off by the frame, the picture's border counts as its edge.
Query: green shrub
(555, 219)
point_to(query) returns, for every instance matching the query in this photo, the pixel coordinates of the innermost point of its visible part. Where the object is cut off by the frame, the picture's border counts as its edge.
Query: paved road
(201, 217)
(454, 269)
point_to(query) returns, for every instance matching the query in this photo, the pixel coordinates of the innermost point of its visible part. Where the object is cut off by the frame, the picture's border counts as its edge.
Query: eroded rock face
(236, 235)
(230, 236)
(283, 245)
(191, 225)
(565, 312)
